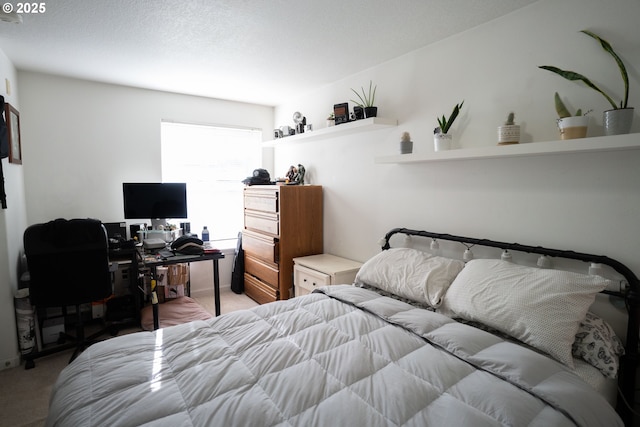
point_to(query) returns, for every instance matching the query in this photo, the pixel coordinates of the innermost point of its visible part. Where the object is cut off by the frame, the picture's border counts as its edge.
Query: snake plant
(446, 124)
(573, 76)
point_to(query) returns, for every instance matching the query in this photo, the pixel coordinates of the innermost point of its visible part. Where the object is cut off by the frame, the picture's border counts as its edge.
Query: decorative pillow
(597, 344)
(411, 274)
(540, 307)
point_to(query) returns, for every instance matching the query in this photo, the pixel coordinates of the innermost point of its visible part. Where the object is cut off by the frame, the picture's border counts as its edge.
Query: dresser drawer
(261, 200)
(265, 272)
(259, 291)
(266, 222)
(260, 246)
(306, 279)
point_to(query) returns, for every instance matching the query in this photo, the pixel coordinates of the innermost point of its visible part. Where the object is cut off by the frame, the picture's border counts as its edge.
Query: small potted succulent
(441, 138)
(509, 133)
(367, 100)
(571, 126)
(617, 120)
(406, 144)
(331, 120)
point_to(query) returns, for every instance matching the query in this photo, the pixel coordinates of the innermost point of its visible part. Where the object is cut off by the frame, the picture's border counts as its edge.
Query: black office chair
(68, 263)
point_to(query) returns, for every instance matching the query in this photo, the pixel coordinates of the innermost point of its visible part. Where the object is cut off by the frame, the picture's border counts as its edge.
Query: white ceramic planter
(442, 141)
(573, 127)
(508, 134)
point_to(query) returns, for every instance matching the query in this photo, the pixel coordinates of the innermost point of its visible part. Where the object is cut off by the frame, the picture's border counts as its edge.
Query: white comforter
(346, 357)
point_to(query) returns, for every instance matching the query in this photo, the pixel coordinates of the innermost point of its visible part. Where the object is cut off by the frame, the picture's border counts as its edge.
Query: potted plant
(331, 120)
(367, 100)
(441, 139)
(406, 144)
(617, 120)
(571, 126)
(509, 133)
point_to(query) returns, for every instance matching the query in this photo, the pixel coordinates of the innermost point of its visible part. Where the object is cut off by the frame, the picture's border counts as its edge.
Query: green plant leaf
(573, 76)
(452, 117)
(361, 103)
(623, 70)
(373, 96)
(366, 100)
(561, 109)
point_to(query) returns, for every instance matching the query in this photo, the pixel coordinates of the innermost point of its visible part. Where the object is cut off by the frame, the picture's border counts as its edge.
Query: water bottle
(205, 234)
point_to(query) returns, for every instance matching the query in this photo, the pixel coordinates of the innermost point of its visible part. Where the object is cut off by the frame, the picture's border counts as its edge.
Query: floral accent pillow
(598, 345)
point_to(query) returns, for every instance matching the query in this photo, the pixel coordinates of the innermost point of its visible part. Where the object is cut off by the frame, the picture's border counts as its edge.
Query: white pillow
(542, 308)
(409, 273)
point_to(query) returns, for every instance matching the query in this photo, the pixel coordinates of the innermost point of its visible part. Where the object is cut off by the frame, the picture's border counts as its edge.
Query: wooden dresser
(281, 222)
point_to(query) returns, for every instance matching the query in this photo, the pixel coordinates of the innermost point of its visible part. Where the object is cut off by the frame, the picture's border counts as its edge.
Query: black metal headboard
(631, 295)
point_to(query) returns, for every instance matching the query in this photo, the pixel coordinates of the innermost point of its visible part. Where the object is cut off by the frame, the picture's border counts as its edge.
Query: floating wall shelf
(582, 145)
(358, 126)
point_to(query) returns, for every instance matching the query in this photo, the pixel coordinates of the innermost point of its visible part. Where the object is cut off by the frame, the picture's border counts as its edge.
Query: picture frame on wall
(13, 130)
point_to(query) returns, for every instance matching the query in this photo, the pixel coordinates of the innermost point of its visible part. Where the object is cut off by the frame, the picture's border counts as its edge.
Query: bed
(419, 339)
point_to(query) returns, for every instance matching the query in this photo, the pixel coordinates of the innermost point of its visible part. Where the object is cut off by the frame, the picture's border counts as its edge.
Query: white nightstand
(312, 271)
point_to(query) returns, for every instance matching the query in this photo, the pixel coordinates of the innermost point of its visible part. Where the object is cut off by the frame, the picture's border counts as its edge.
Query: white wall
(83, 139)
(585, 202)
(12, 224)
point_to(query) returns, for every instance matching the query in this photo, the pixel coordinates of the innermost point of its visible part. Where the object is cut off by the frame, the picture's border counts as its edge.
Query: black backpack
(237, 276)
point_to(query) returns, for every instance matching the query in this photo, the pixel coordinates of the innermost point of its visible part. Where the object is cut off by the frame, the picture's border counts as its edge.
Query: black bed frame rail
(631, 295)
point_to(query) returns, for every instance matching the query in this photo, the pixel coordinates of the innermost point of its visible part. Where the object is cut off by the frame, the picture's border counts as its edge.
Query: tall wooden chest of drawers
(281, 222)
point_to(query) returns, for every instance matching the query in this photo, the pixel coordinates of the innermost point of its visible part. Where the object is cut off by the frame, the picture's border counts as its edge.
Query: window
(213, 161)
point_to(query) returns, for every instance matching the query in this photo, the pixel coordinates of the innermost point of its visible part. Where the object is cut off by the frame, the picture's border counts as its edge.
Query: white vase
(573, 127)
(508, 134)
(442, 141)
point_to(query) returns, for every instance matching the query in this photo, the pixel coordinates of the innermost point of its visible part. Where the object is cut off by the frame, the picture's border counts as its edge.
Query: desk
(152, 262)
(139, 260)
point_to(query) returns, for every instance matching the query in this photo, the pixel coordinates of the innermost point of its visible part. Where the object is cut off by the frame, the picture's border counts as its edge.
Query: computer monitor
(155, 201)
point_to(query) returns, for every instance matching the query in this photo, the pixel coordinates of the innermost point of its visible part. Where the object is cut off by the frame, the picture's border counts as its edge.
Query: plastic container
(205, 234)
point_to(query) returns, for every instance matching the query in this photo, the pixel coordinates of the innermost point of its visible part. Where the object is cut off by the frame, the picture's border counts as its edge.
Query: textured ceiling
(258, 51)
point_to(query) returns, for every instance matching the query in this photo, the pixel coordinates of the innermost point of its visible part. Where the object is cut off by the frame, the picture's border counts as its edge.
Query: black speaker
(186, 227)
(133, 229)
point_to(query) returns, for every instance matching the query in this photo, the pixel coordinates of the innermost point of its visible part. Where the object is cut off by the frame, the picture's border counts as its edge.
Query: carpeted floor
(24, 394)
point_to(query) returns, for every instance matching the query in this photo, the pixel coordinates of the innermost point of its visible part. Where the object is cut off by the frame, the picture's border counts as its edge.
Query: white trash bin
(25, 321)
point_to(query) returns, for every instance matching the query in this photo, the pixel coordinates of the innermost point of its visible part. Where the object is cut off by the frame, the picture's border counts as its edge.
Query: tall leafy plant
(573, 76)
